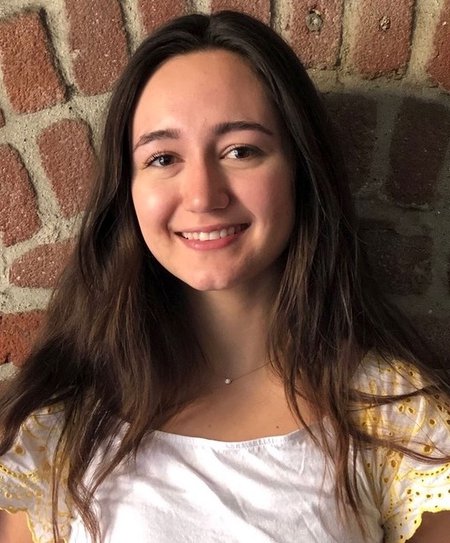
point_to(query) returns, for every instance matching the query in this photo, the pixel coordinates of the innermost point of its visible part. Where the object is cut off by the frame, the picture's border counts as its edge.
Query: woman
(217, 364)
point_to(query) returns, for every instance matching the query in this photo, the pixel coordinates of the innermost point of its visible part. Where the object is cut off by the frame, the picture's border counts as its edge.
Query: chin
(209, 286)
(209, 283)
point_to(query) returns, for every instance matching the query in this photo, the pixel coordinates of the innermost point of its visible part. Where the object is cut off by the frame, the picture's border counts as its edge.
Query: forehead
(207, 86)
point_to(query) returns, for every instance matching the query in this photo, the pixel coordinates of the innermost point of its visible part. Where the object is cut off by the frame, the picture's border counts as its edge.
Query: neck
(232, 327)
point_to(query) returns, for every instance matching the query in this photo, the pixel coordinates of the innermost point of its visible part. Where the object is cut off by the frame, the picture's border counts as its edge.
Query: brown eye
(243, 151)
(161, 160)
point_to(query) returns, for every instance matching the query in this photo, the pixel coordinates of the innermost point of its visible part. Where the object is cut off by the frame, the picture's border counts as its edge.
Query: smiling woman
(213, 192)
(218, 364)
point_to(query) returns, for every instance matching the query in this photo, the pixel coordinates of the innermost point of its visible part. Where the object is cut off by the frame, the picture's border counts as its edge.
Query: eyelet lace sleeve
(25, 476)
(407, 487)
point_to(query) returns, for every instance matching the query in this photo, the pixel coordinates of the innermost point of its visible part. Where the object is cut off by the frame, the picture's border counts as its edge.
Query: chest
(239, 412)
(182, 489)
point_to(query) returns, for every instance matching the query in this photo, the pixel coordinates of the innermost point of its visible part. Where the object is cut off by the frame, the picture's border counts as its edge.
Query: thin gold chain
(229, 380)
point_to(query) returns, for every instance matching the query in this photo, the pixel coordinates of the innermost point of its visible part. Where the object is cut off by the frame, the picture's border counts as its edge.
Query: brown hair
(108, 351)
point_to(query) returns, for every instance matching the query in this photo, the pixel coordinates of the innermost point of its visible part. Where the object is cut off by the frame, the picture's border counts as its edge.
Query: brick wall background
(384, 69)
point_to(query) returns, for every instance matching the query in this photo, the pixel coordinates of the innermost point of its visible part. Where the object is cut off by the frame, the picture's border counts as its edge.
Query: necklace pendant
(228, 381)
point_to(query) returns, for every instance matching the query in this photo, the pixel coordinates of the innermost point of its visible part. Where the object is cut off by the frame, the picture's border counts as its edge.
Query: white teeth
(215, 234)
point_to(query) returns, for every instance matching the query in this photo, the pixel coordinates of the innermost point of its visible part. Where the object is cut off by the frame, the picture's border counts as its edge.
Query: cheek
(276, 198)
(152, 207)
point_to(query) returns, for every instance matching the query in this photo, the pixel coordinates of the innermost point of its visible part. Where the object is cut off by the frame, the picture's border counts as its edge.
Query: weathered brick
(17, 332)
(436, 333)
(154, 12)
(315, 31)
(401, 264)
(382, 36)
(260, 9)
(448, 273)
(439, 66)
(69, 161)
(355, 120)
(2, 119)
(98, 43)
(29, 74)
(19, 218)
(40, 267)
(418, 148)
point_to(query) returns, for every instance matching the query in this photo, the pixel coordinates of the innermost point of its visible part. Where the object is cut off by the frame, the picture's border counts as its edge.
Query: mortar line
(422, 39)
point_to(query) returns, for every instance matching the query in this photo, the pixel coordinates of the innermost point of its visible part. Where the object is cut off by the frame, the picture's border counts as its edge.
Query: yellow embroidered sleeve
(407, 487)
(25, 476)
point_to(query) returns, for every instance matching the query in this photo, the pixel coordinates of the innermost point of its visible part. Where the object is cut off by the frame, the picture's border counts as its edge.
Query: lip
(212, 244)
(212, 228)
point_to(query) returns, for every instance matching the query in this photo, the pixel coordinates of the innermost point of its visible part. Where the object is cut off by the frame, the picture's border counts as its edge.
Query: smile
(214, 234)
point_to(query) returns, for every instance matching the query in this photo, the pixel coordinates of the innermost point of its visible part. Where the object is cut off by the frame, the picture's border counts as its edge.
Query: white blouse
(274, 489)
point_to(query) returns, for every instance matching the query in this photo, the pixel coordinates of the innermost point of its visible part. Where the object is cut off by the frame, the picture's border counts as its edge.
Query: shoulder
(36, 441)
(410, 473)
(384, 377)
(26, 470)
(44, 423)
(400, 401)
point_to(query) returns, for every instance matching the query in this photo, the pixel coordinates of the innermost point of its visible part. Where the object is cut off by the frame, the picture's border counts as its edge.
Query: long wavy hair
(116, 347)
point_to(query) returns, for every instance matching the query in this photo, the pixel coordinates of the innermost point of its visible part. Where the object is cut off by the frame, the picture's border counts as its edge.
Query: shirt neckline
(206, 443)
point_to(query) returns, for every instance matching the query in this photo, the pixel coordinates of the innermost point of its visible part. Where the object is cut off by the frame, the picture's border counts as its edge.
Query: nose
(204, 187)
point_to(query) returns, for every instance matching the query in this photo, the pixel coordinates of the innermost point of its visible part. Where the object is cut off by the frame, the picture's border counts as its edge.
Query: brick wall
(384, 68)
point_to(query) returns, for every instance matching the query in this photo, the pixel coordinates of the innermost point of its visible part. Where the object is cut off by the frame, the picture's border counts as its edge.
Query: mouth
(219, 233)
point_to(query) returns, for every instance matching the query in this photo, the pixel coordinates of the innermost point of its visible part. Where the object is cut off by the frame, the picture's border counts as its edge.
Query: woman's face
(212, 179)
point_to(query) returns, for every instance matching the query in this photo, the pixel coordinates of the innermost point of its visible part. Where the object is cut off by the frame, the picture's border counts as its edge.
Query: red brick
(154, 12)
(418, 148)
(401, 264)
(69, 161)
(382, 36)
(19, 218)
(439, 66)
(315, 31)
(29, 74)
(355, 120)
(258, 8)
(40, 267)
(98, 43)
(17, 332)
(436, 333)
(448, 273)
(2, 119)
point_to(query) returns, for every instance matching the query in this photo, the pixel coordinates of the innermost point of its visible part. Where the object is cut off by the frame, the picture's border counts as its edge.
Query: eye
(241, 152)
(160, 160)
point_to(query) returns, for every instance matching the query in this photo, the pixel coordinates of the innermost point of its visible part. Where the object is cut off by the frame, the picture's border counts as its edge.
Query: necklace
(229, 380)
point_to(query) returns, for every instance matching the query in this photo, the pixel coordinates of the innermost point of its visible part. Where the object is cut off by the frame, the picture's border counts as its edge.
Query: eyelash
(155, 156)
(253, 151)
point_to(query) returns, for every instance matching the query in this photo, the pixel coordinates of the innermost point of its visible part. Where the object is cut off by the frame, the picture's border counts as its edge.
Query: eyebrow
(225, 128)
(220, 130)
(169, 133)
